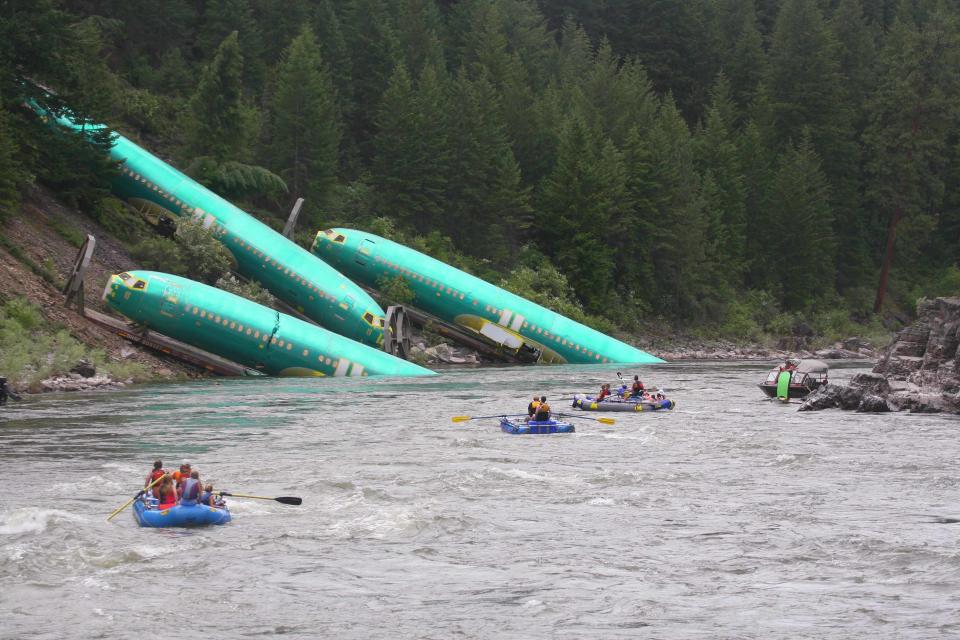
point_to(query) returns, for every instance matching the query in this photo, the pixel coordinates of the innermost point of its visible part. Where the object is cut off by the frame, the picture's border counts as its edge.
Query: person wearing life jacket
(637, 388)
(181, 475)
(166, 494)
(156, 473)
(532, 408)
(604, 392)
(543, 410)
(191, 490)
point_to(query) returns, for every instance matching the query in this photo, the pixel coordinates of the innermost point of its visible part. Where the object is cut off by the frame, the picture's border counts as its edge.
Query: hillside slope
(46, 235)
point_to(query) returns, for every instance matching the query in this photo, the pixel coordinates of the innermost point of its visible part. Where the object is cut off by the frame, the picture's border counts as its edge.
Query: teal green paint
(287, 270)
(244, 331)
(783, 385)
(456, 296)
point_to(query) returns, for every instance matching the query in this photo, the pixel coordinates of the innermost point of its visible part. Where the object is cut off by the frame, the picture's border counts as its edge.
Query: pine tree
(719, 162)
(409, 171)
(12, 174)
(489, 210)
(799, 201)
(219, 19)
(578, 200)
(806, 89)
(678, 235)
(306, 130)
(223, 126)
(418, 24)
(372, 42)
(911, 117)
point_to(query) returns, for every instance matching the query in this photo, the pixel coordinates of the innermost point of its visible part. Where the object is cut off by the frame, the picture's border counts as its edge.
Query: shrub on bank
(31, 349)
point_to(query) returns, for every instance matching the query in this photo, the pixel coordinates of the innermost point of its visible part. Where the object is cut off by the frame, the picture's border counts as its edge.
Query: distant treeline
(715, 163)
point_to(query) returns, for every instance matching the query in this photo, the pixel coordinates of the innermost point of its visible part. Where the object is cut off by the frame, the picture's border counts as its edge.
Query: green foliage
(12, 173)
(32, 349)
(222, 124)
(669, 158)
(195, 254)
(236, 179)
(538, 280)
(250, 289)
(305, 132)
(395, 290)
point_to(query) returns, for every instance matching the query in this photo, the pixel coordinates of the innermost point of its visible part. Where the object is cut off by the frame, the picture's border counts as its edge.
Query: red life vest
(156, 474)
(169, 500)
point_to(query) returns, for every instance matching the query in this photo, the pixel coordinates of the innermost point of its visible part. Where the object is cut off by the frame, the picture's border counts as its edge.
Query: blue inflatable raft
(587, 403)
(518, 426)
(180, 516)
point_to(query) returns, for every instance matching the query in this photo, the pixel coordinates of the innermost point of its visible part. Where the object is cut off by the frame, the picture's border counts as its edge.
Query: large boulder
(918, 372)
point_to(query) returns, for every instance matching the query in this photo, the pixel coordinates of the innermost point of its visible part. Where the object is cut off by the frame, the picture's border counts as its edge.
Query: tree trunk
(887, 259)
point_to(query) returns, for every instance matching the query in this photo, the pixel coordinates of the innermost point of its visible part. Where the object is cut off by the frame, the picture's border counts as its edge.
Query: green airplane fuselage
(287, 270)
(458, 297)
(244, 331)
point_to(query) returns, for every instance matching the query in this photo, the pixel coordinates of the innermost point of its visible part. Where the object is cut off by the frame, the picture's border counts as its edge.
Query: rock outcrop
(918, 372)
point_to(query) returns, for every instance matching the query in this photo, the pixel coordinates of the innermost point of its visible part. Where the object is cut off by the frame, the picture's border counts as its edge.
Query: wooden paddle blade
(607, 420)
(460, 418)
(289, 500)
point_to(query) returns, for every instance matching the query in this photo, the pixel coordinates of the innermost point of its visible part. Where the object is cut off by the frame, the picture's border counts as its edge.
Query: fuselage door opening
(365, 251)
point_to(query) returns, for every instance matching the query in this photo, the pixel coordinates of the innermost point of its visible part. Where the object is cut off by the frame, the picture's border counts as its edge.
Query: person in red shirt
(156, 473)
(604, 392)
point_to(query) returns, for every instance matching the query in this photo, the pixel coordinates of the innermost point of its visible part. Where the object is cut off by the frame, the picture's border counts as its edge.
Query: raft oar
(139, 493)
(499, 415)
(282, 499)
(600, 420)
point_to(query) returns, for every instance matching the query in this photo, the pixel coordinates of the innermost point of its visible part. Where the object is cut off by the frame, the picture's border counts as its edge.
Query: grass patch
(31, 349)
(68, 233)
(47, 270)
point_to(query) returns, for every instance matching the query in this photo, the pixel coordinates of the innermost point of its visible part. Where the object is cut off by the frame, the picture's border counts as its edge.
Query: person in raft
(166, 494)
(209, 498)
(181, 475)
(191, 490)
(532, 408)
(156, 473)
(543, 410)
(604, 393)
(637, 389)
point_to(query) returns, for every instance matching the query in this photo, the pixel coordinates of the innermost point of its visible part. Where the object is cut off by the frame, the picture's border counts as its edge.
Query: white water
(730, 517)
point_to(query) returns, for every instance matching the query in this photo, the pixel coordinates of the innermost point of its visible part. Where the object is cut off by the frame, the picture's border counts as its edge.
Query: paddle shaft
(499, 415)
(281, 499)
(139, 493)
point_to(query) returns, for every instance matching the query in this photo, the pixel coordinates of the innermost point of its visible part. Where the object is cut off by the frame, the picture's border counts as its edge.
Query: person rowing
(543, 410)
(604, 393)
(532, 408)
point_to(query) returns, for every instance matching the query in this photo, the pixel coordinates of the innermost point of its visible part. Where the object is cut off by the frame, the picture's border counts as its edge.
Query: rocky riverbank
(918, 372)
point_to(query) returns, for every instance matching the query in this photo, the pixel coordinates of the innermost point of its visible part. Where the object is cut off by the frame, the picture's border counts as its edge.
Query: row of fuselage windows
(256, 334)
(264, 259)
(543, 335)
(268, 261)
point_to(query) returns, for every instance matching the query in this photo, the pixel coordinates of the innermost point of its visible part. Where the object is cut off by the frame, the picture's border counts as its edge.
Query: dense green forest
(728, 165)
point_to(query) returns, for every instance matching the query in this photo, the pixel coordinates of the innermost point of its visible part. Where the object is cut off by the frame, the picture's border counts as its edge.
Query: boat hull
(586, 403)
(179, 516)
(797, 392)
(521, 427)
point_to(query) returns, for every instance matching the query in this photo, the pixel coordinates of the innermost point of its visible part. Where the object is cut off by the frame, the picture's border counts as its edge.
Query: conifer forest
(724, 166)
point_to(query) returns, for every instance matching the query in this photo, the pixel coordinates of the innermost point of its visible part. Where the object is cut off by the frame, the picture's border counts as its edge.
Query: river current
(729, 517)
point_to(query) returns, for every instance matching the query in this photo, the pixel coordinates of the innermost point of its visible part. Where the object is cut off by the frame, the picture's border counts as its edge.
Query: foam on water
(714, 520)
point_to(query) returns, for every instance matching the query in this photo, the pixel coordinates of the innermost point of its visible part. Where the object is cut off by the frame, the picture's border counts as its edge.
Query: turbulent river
(729, 517)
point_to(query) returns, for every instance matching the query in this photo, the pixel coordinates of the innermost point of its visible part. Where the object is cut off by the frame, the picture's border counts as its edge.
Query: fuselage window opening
(139, 284)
